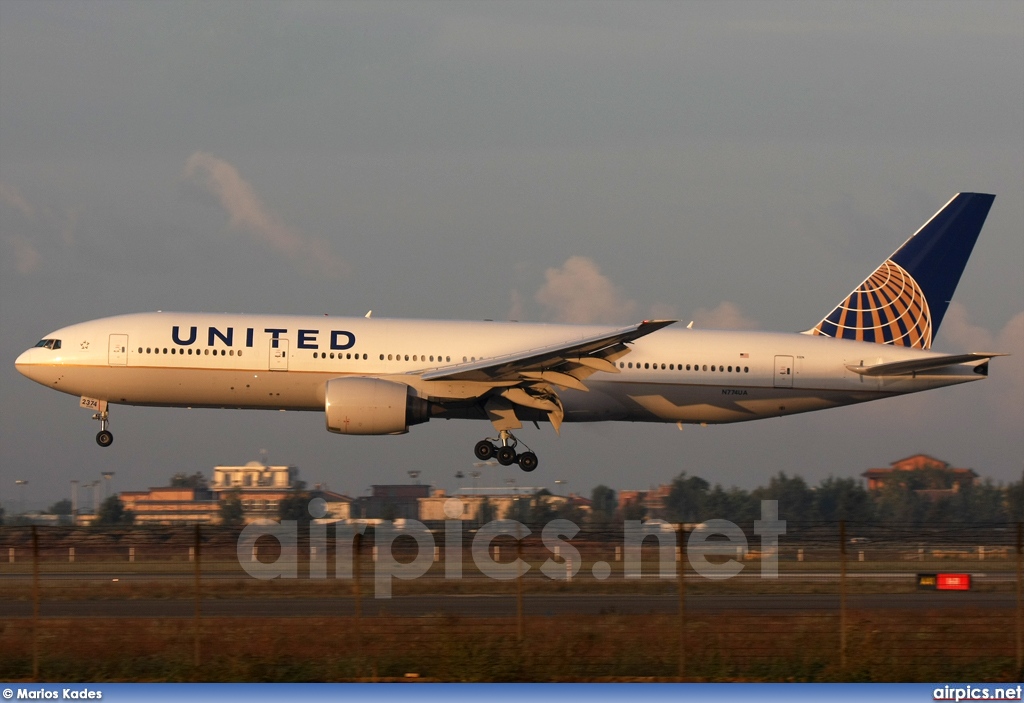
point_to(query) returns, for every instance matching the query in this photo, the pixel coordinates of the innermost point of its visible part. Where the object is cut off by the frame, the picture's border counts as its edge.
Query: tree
(61, 507)
(603, 503)
(112, 512)
(838, 499)
(541, 511)
(486, 513)
(686, 498)
(1015, 501)
(231, 512)
(796, 499)
(735, 505)
(1, 515)
(296, 507)
(895, 504)
(183, 480)
(634, 510)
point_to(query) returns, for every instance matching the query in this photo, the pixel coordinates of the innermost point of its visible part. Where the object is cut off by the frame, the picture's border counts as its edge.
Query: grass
(890, 646)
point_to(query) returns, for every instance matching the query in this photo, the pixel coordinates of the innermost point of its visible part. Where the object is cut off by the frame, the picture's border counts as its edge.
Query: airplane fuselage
(284, 362)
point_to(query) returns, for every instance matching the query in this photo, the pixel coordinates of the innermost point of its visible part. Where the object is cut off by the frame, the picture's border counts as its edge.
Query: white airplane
(374, 376)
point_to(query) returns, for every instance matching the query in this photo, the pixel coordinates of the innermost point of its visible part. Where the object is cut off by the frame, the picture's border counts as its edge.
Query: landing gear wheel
(104, 438)
(527, 461)
(484, 450)
(506, 456)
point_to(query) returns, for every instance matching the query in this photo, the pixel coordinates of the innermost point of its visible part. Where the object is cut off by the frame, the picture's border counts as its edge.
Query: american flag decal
(888, 308)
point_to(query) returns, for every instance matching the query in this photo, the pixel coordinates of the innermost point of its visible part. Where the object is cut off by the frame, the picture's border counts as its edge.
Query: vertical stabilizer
(904, 300)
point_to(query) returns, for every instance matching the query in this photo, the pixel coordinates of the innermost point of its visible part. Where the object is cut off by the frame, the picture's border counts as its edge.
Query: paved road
(505, 605)
(748, 574)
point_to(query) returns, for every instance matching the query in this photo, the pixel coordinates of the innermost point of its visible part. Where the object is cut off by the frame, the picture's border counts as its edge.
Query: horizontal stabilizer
(904, 368)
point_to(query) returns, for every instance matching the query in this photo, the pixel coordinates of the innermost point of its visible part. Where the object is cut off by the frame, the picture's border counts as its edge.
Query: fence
(817, 602)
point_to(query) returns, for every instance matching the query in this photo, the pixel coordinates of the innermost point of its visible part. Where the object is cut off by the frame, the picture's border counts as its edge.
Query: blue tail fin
(904, 300)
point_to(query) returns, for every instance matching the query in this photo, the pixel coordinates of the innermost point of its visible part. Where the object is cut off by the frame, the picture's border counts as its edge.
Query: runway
(505, 605)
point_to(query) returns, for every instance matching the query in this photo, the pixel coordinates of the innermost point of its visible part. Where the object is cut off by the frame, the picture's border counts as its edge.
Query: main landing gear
(104, 437)
(505, 453)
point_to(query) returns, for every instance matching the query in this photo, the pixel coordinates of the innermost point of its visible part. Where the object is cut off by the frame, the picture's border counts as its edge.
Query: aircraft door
(784, 372)
(279, 356)
(117, 350)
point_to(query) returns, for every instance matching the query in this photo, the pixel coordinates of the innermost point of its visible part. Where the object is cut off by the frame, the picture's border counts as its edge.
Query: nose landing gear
(104, 437)
(505, 453)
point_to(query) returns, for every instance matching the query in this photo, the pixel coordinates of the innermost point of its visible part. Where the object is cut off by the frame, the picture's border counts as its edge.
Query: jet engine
(372, 406)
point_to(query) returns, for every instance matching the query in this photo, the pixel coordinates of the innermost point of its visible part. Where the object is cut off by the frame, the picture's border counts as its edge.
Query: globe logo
(888, 308)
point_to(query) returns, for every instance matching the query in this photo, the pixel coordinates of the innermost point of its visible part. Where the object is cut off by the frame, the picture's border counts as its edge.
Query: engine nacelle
(372, 406)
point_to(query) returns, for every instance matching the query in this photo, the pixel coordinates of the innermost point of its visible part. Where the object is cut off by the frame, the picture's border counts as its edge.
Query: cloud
(727, 316)
(957, 332)
(26, 257)
(579, 293)
(517, 308)
(995, 402)
(10, 196)
(249, 214)
(23, 252)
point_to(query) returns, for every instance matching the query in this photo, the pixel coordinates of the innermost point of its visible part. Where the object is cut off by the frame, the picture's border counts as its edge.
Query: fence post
(681, 576)
(199, 598)
(1020, 601)
(519, 586)
(842, 595)
(357, 593)
(35, 604)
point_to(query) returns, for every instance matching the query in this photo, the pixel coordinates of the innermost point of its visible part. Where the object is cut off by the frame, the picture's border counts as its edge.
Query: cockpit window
(49, 343)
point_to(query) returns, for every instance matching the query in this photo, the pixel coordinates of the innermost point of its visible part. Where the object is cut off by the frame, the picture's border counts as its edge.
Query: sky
(738, 164)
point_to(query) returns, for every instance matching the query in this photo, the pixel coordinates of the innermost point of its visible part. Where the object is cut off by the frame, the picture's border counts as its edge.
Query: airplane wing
(528, 378)
(564, 364)
(904, 368)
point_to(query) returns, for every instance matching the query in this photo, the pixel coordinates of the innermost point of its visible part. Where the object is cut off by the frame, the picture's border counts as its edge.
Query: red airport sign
(944, 582)
(953, 582)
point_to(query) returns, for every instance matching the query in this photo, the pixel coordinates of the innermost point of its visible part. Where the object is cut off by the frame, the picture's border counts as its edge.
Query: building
(259, 487)
(486, 504)
(171, 506)
(390, 502)
(652, 501)
(924, 474)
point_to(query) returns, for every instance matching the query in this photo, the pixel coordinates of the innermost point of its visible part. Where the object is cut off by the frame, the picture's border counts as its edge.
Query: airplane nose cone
(22, 361)
(25, 363)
